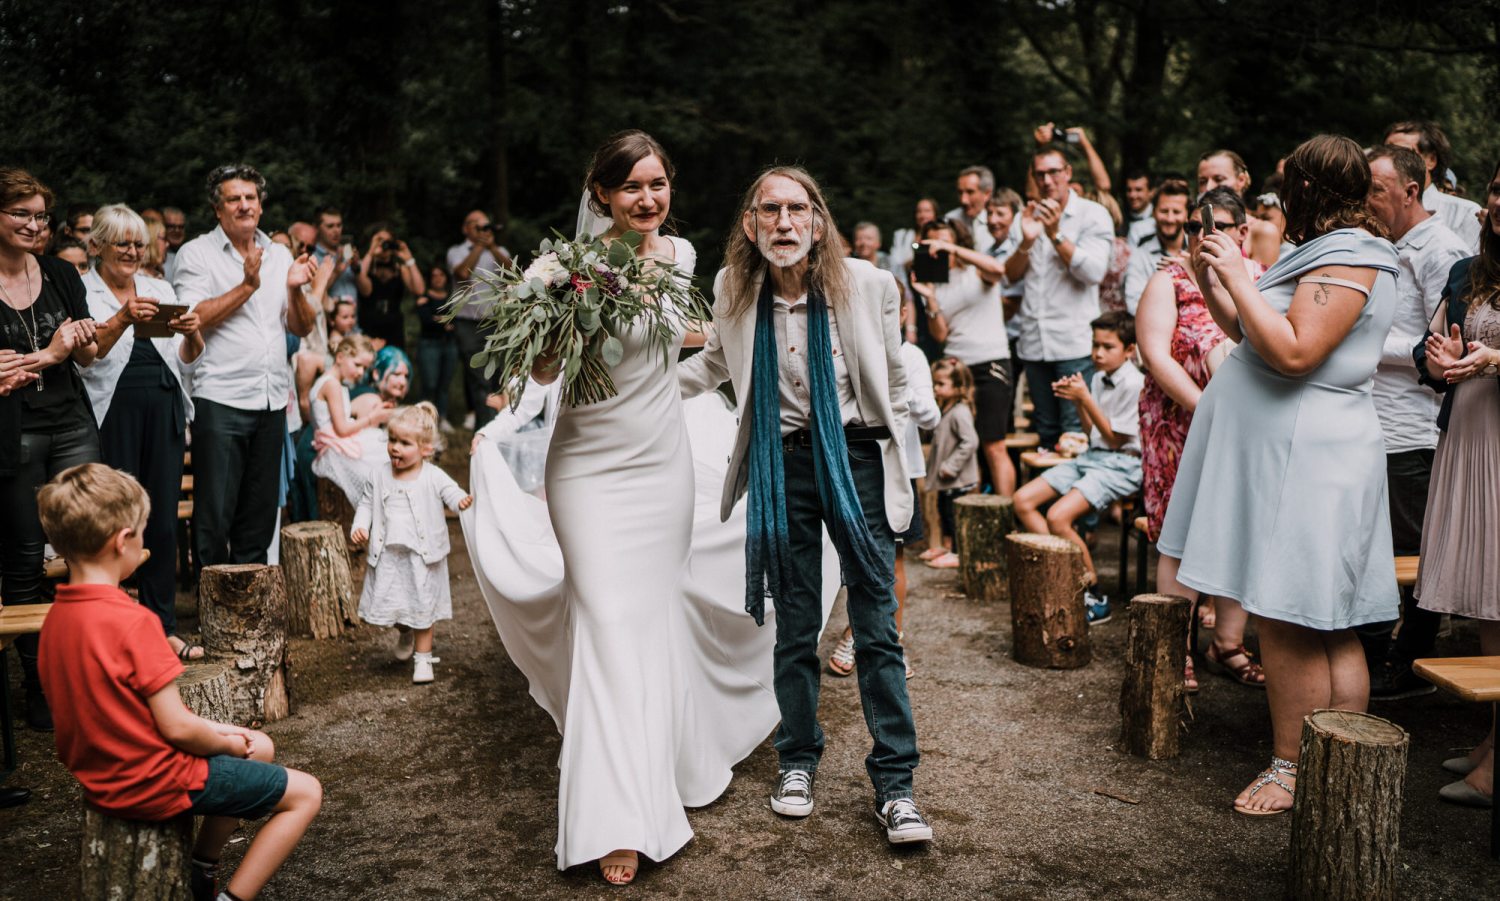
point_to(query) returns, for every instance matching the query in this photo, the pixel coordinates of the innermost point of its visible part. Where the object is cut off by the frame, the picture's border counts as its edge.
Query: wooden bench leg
(1494, 805)
(1127, 521)
(1142, 557)
(7, 724)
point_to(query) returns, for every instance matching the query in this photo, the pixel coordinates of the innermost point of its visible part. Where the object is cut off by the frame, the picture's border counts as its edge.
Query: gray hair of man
(745, 265)
(113, 223)
(234, 172)
(986, 177)
(861, 226)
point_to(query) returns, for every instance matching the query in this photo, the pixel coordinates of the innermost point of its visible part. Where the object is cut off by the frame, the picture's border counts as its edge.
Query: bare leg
(1060, 519)
(1299, 680)
(1001, 469)
(1028, 505)
(276, 840)
(423, 640)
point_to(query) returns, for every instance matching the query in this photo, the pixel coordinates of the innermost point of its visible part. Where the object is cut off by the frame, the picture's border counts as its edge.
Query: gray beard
(780, 259)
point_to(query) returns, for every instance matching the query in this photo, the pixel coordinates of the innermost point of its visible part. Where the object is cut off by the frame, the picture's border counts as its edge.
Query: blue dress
(1280, 501)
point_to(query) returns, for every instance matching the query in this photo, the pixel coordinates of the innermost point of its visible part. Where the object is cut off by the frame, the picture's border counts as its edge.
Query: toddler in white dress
(400, 514)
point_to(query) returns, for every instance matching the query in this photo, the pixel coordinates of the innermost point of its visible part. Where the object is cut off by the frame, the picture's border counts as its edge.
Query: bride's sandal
(1279, 767)
(619, 868)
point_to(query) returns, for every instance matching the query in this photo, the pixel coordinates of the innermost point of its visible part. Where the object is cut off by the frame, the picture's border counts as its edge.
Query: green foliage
(415, 113)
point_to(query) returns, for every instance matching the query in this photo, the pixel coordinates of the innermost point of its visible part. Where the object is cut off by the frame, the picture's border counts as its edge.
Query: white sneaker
(406, 643)
(421, 671)
(903, 822)
(469, 421)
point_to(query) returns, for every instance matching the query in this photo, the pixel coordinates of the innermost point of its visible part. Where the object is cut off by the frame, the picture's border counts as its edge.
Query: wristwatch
(1057, 239)
(410, 262)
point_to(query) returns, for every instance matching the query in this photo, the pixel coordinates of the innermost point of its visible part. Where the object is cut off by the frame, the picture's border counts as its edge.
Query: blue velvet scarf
(768, 562)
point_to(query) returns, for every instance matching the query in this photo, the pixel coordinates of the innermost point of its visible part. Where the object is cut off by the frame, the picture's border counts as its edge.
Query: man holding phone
(1066, 244)
(480, 251)
(330, 224)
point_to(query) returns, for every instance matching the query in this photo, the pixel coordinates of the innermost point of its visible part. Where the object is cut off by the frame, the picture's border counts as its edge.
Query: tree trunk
(1151, 698)
(242, 611)
(1049, 626)
(982, 522)
(319, 586)
(1346, 819)
(334, 506)
(205, 690)
(131, 860)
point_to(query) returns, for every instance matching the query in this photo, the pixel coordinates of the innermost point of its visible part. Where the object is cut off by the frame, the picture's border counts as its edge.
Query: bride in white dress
(625, 611)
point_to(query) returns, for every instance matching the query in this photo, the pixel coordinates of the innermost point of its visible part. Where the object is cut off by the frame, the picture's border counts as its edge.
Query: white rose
(547, 268)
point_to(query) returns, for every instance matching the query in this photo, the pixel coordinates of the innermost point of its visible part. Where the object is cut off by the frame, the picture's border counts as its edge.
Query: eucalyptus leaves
(572, 303)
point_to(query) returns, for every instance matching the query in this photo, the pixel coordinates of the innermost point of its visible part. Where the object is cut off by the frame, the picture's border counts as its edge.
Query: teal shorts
(1101, 476)
(238, 787)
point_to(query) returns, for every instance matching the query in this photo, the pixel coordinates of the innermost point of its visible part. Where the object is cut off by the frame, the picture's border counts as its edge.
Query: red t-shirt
(102, 656)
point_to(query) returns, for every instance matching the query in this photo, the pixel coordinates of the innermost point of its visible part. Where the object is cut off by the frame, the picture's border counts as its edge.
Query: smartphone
(1207, 215)
(926, 267)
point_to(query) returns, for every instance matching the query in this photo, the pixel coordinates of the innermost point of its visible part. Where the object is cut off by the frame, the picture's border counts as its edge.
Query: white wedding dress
(626, 612)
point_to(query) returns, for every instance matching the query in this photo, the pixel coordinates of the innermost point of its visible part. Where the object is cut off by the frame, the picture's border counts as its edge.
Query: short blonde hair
(418, 422)
(117, 222)
(83, 507)
(353, 346)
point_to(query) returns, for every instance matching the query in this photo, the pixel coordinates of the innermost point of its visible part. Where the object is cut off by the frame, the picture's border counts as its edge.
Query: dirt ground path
(449, 790)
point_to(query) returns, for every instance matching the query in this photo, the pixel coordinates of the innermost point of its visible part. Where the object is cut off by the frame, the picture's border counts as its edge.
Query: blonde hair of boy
(84, 506)
(418, 422)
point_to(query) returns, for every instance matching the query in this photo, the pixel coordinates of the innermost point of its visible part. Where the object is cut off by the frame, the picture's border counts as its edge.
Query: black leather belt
(802, 438)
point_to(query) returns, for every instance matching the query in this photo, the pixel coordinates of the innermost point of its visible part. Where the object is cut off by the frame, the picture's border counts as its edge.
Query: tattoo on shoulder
(1320, 295)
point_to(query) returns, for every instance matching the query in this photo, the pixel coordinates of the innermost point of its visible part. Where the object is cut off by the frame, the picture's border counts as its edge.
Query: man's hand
(1031, 226)
(1070, 387)
(1083, 138)
(302, 271)
(1049, 214)
(486, 238)
(252, 267)
(1043, 134)
(185, 323)
(404, 253)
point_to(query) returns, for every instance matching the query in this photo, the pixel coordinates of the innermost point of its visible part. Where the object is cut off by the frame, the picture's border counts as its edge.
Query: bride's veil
(590, 223)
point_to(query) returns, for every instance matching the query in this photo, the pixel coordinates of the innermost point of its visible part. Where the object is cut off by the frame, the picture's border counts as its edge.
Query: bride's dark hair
(614, 159)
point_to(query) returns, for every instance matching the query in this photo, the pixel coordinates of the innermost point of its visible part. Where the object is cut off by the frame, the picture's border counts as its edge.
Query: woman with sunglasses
(45, 426)
(137, 390)
(1181, 344)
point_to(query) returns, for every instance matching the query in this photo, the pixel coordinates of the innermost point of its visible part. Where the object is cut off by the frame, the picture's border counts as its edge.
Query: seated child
(1111, 468)
(122, 729)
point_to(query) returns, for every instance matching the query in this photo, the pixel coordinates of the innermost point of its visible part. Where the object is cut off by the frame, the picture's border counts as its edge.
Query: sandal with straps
(628, 860)
(841, 661)
(1248, 673)
(1279, 767)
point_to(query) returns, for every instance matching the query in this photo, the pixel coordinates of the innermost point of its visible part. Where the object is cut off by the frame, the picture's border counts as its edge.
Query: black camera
(490, 227)
(927, 267)
(390, 246)
(1061, 135)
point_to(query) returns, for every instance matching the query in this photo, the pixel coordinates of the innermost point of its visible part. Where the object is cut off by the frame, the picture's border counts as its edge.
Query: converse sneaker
(903, 822)
(406, 643)
(421, 671)
(1096, 606)
(793, 796)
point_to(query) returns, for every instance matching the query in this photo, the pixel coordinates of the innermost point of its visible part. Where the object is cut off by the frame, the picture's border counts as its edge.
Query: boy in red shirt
(122, 729)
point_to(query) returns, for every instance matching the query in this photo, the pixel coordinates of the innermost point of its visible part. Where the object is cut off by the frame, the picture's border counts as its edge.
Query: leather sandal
(1189, 677)
(1248, 673)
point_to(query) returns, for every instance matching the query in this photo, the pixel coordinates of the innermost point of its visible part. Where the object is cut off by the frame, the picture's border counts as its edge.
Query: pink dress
(1164, 423)
(1112, 288)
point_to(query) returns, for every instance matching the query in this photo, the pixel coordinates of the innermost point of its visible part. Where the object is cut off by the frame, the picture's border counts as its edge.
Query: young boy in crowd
(122, 729)
(1111, 467)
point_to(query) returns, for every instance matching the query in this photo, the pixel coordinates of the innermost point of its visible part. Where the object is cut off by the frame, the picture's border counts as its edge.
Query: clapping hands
(1447, 354)
(1070, 387)
(12, 373)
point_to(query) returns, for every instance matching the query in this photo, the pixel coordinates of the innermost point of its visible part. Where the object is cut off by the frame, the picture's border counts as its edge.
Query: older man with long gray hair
(811, 342)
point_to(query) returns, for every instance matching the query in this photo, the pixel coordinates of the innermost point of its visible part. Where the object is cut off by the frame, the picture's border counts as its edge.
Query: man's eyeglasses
(1044, 174)
(800, 213)
(21, 217)
(1193, 226)
(175, 226)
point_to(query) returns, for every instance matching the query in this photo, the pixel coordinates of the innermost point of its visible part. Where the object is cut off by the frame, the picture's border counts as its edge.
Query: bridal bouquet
(571, 304)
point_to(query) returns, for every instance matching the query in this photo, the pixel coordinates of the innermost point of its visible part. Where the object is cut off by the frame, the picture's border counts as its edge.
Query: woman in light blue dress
(1280, 500)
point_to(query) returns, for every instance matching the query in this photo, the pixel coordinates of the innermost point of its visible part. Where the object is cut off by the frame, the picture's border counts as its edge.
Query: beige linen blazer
(870, 334)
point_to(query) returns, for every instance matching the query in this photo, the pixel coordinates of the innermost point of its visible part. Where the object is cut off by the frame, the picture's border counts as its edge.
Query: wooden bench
(57, 567)
(1406, 571)
(15, 621)
(1477, 680)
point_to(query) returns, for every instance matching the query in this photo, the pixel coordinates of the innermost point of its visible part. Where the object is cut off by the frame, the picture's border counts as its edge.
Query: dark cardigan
(65, 276)
(1456, 294)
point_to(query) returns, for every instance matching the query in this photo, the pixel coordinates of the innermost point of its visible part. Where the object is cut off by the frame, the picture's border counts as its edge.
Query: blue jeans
(436, 360)
(872, 610)
(1050, 416)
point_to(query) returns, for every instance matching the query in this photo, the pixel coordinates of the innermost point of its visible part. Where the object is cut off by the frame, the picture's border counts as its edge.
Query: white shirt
(920, 404)
(1142, 265)
(790, 320)
(1456, 213)
(1139, 227)
(487, 263)
(1121, 404)
(101, 378)
(1408, 411)
(979, 225)
(1061, 300)
(244, 363)
(1002, 252)
(976, 321)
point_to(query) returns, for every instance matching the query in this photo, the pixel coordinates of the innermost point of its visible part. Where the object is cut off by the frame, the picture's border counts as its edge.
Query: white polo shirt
(1456, 213)
(1061, 300)
(244, 362)
(1408, 410)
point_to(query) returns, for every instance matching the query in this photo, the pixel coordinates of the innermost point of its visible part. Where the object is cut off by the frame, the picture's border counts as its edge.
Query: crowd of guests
(1298, 383)
(1352, 302)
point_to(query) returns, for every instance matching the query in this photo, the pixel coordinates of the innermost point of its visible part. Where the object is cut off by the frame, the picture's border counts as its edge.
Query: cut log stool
(130, 860)
(204, 688)
(1346, 818)
(319, 586)
(242, 611)
(1151, 697)
(982, 521)
(1049, 626)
